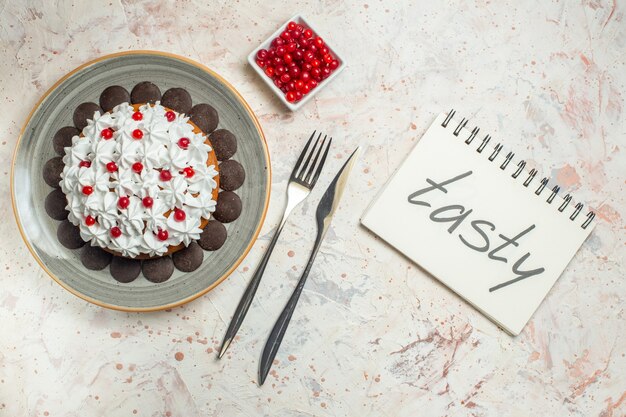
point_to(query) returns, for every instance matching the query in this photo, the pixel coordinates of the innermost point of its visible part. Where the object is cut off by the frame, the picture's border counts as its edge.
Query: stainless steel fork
(302, 180)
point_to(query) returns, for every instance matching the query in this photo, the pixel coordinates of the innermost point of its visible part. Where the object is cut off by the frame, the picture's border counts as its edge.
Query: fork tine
(308, 159)
(314, 164)
(321, 165)
(301, 157)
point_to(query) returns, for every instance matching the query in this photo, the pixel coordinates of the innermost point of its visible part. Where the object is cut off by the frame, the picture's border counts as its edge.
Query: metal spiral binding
(496, 151)
(520, 168)
(509, 156)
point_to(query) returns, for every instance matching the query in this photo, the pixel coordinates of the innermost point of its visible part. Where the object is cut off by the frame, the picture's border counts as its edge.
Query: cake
(140, 180)
(136, 183)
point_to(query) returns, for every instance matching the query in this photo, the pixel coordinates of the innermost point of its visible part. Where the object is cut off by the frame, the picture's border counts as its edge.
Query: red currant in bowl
(296, 61)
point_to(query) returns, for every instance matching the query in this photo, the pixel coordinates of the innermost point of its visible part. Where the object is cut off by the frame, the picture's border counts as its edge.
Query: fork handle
(248, 295)
(278, 332)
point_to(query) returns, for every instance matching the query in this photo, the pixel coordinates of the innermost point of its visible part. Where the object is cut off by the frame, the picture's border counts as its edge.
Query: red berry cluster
(297, 61)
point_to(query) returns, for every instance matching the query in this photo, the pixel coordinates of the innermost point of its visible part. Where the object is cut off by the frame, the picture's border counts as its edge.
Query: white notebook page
(449, 237)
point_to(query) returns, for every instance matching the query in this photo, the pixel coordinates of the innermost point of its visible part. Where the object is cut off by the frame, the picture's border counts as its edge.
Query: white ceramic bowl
(266, 45)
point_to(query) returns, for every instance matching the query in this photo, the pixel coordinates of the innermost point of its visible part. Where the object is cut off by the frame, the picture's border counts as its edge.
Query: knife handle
(248, 295)
(280, 327)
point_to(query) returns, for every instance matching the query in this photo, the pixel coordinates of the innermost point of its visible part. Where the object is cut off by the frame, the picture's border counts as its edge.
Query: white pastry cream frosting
(137, 182)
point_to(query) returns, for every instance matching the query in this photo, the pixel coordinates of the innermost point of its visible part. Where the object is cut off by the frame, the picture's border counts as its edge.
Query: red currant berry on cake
(137, 167)
(116, 232)
(189, 172)
(165, 175)
(137, 116)
(84, 164)
(179, 215)
(147, 202)
(90, 221)
(123, 202)
(162, 234)
(111, 166)
(137, 134)
(87, 189)
(107, 133)
(183, 143)
(170, 116)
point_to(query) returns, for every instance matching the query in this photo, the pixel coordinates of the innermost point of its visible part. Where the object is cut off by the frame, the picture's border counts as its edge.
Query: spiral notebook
(471, 215)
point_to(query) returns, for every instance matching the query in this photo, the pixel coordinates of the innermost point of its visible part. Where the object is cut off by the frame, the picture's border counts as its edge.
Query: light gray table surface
(373, 335)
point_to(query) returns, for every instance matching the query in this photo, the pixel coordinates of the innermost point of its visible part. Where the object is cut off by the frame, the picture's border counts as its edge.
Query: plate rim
(243, 255)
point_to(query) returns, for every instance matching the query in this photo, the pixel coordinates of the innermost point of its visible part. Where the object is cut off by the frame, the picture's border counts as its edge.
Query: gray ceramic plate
(55, 110)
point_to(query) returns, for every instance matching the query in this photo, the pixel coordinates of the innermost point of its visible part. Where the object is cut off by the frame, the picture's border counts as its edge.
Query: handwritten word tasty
(475, 235)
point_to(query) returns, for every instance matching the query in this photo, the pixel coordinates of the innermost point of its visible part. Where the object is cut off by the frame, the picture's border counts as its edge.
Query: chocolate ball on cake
(188, 259)
(205, 117)
(232, 175)
(213, 236)
(158, 270)
(145, 92)
(224, 143)
(52, 170)
(228, 207)
(124, 270)
(63, 139)
(112, 96)
(95, 258)
(69, 235)
(84, 112)
(55, 205)
(177, 99)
